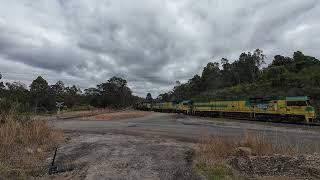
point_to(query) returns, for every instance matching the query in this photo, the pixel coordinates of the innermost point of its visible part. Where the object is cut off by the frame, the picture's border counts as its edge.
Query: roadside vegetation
(25, 142)
(228, 158)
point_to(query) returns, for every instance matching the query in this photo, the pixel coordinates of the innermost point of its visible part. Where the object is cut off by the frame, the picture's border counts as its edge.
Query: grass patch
(24, 143)
(214, 171)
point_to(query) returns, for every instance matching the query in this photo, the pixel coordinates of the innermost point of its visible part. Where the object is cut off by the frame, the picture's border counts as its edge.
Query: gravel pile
(307, 166)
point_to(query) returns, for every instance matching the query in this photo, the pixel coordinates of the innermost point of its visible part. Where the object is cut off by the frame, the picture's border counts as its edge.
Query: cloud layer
(150, 43)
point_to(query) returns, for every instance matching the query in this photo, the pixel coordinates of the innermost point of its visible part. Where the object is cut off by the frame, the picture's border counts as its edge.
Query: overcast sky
(151, 43)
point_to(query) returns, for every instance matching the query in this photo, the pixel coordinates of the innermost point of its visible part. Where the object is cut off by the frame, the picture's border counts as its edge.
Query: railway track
(280, 122)
(256, 120)
(248, 117)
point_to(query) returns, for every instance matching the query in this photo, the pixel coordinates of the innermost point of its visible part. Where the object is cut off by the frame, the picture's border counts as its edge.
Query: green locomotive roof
(264, 99)
(289, 98)
(297, 98)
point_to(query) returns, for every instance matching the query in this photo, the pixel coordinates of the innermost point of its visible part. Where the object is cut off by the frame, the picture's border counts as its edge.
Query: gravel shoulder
(115, 156)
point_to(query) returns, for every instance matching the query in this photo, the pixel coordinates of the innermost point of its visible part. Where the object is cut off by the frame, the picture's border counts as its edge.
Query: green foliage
(244, 70)
(114, 92)
(281, 61)
(39, 90)
(213, 172)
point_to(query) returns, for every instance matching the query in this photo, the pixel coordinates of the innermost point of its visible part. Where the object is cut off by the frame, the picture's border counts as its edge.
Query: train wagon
(164, 107)
(144, 106)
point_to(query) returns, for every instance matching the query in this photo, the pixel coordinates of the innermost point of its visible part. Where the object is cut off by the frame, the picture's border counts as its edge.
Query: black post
(53, 168)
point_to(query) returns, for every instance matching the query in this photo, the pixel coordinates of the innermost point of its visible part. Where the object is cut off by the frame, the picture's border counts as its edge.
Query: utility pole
(59, 105)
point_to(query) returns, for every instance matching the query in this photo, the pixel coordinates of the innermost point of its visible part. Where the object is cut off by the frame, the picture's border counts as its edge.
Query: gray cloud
(150, 43)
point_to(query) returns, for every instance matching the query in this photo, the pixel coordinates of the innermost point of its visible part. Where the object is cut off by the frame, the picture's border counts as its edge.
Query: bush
(214, 172)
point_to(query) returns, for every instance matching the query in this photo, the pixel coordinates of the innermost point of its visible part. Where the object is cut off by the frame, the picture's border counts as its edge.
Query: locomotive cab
(301, 106)
(185, 107)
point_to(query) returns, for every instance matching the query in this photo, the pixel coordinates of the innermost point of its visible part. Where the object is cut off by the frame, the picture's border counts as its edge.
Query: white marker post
(59, 105)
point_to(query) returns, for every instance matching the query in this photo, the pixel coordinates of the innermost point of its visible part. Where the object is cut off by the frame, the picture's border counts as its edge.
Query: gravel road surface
(190, 128)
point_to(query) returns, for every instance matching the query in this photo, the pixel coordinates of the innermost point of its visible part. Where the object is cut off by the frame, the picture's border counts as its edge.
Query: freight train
(281, 109)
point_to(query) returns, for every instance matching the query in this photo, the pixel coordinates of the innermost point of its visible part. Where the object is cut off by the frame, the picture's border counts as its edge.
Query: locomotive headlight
(311, 112)
(309, 109)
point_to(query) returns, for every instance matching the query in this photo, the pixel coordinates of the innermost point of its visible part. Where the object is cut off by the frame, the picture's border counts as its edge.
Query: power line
(37, 74)
(21, 73)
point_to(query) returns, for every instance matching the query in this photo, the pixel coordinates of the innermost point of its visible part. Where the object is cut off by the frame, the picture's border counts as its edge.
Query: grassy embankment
(24, 145)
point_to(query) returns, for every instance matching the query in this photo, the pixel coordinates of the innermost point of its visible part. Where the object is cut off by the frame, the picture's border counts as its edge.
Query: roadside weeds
(24, 144)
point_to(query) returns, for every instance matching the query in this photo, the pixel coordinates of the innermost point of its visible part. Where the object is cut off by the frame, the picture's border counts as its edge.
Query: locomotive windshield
(297, 103)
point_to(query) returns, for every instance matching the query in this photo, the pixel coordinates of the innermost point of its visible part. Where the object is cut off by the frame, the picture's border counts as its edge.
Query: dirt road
(157, 146)
(191, 128)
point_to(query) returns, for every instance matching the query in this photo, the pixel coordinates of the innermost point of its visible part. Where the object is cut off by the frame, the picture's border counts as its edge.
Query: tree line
(42, 97)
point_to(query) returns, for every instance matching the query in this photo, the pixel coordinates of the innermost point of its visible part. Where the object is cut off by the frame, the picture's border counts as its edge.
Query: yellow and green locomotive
(277, 108)
(289, 109)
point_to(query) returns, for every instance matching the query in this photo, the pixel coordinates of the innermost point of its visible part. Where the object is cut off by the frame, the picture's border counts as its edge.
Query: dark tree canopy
(281, 61)
(39, 86)
(39, 90)
(1, 83)
(114, 92)
(149, 97)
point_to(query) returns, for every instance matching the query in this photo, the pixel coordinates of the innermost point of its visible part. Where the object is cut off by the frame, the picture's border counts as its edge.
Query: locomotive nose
(311, 113)
(310, 109)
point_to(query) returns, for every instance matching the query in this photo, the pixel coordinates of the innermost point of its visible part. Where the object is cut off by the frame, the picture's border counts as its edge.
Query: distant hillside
(285, 76)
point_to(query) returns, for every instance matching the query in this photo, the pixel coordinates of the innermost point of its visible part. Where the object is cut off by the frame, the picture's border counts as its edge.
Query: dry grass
(259, 143)
(103, 114)
(212, 153)
(24, 145)
(86, 113)
(121, 115)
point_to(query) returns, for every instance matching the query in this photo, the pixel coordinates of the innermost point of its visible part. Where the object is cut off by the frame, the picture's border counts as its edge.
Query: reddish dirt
(82, 114)
(121, 115)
